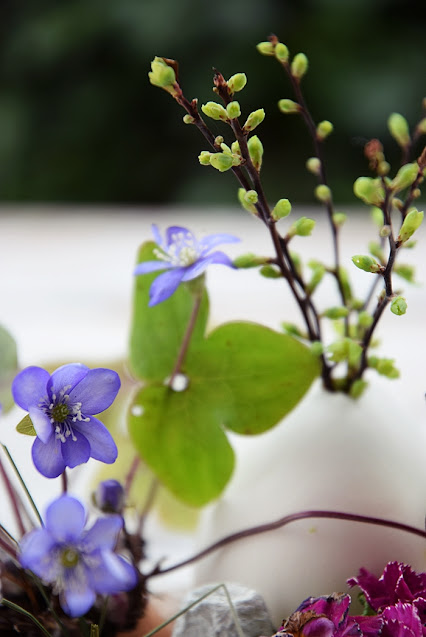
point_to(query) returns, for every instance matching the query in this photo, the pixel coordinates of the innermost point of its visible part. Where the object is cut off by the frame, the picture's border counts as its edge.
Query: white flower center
(184, 250)
(62, 414)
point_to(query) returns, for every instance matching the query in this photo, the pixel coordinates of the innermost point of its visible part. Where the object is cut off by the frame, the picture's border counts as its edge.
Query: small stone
(213, 616)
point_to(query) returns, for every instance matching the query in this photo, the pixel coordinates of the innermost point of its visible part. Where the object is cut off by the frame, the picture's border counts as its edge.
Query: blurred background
(79, 121)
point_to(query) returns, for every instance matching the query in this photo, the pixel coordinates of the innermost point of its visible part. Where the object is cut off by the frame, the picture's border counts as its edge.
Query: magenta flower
(183, 257)
(77, 563)
(62, 407)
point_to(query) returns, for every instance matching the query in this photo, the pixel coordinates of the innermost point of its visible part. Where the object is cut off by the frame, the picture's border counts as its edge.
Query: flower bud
(255, 147)
(204, 158)
(318, 271)
(358, 387)
(386, 367)
(369, 190)
(221, 161)
(235, 148)
(302, 227)
(399, 306)
(365, 319)
(336, 312)
(109, 496)
(299, 65)
(323, 193)
(345, 283)
(377, 216)
(324, 129)
(288, 106)
(398, 128)
(421, 126)
(269, 272)
(405, 176)
(245, 204)
(251, 197)
(383, 168)
(410, 224)
(161, 74)
(266, 48)
(188, 119)
(313, 164)
(215, 111)
(339, 218)
(233, 109)
(376, 250)
(237, 82)
(385, 231)
(405, 271)
(281, 52)
(282, 209)
(254, 119)
(248, 260)
(293, 330)
(366, 263)
(219, 140)
(317, 348)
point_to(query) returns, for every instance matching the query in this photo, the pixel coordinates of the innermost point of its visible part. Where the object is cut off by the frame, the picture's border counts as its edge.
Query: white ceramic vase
(332, 453)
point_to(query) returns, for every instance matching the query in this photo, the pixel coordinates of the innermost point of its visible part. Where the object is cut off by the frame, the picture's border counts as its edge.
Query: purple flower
(78, 563)
(110, 496)
(183, 257)
(61, 408)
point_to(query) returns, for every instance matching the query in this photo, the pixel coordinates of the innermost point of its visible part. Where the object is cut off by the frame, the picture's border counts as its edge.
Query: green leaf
(157, 332)
(180, 440)
(26, 426)
(8, 367)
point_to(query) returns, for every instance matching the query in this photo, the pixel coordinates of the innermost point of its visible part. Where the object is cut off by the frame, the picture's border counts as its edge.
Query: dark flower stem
(6, 541)
(64, 479)
(281, 522)
(186, 338)
(13, 499)
(131, 474)
(22, 611)
(24, 486)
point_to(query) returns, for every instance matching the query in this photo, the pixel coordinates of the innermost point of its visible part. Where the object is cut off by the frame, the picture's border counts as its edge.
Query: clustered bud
(369, 190)
(215, 111)
(254, 119)
(398, 128)
(282, 209)
(237, 82)
(162, 74)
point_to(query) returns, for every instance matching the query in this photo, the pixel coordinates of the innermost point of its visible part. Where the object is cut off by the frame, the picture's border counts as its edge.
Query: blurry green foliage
(80, 122)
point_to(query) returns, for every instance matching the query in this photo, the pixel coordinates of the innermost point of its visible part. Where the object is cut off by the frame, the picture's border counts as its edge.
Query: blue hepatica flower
(184, 258)
(77, 563)
(61, 408)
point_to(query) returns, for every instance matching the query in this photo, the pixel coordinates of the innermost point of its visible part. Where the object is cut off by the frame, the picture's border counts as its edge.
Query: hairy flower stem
(281, 522)
(186, 338)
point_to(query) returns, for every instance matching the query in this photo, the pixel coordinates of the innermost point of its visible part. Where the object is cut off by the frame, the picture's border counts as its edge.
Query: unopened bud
(266, 48)
(248, 260)
(254, 119)
(339, 218)
(323, 193)
(383, 168)
(247, 206)
(235, 147)
(219, 140)
(162, 74)
(365, 319)
(405, 176)
(269, 272)
(317, 348)
(377, 216)
(109, 496)
(204, 158)
(233, 109)
(221, 161)
(302, 227)
(255, 147)
(405, 271)
(385, 231)
(376, 250)
(215, 111)
(324, 129)
(188, 119)
(288, 106)
(336, 312)
(358, 387)
(386, 367)
(366, 263)
(293, 329)
(281, 52)
(421, 126)
(237, 82)
(282, 209)
(251, 197)
(410, 224)
(313, 164)
(299, 65)
(369, 190)
(398, 127)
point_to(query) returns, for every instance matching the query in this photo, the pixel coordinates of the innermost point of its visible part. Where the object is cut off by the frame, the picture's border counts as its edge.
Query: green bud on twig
(384, 366)
(410, 224)
(366, 263)
(323, 193)
(221, 161)
(281, 52)
(369, 190)
(313, 164)
(188, 119)
(302, 227)
(235, 148)
(398, 128)
(336, 312)
(318, 271)
(247, 206)
(339, 218)
(255, 147)
(399, 306)
(162, 74)
(377, 216)
(249, 260)
(358, 387)
(376, 250)
(215, 111)
(405, 271)
(253, 120)
(288, 106)
(365, 319)
(282, 209)
(270, 272)
(324, 129)
(237, 82)
(405, 176)
(421, 126)
(299, 65)
(233, 109)
(266, 48)
(293, 330)
(385, 231)
(251, 197)
(317, 348)
(204, 158)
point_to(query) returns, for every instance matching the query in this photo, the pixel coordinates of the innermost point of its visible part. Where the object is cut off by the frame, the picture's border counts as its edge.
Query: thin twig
(24, 486)
(13, 499)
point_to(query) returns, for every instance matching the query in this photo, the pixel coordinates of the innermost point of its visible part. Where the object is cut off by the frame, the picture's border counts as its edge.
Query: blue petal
(197, 268)
(103, 534)
(42, 424)
(102, 445)
(173, 230)
(151, 266)
(213, 240)
(164, 285)
(47, 457)
(77, 597)
(97, 391)
(75, 452)
(112, 575)
(157, 235)
(65, 519)
(34, 548)
(29, 386)
(66, 376)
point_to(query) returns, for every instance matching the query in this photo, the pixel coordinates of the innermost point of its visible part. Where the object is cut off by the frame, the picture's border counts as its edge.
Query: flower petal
(151, 266)
(212, 240)
(29, 386)
(175, 230)
(165, 284)
(96, 391)
(34, 548)
(42, 424)
(103, 534)
(65, 519)
(47, 457)
(157, 235)
(102, 445)
(77, 597)
(197, 268)
(113, 574)
(66, 376)
(76, 452)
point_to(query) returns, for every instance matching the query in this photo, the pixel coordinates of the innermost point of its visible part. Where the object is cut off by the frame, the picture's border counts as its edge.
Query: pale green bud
(188, 119)
(405, 271)
(345, 349)
(247, 206)
(317, 348)
(233, 109)
(281, 52)
(410, 224)
(345, 283)
(323, 193)
(384, 366)
(292, 329)
(365, 319)
(215, 111)
(377, 216)
(369, 190)
(297, 261)
(266, 48)
(358, 387)
(219, 140)
(383, 168)
(254, 119)
(405, 176)
(237, 82)
(161, 74)
(336, 312)
(221, 161)
(302, 227)
(398, 128)
(225, 148)
(255, 147)
(318, 271)
(376, 250)
(251, 197)
(288, 106)
(299, 65)
(235, 147)
(339, 218)
(248, 260)
(399, 306)
(282, 209)
(366, 263)
(385, 231)
(236, 159)
(313, 164)
(324, 129)
(204, 158)
(421, 126)
(269, 272)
